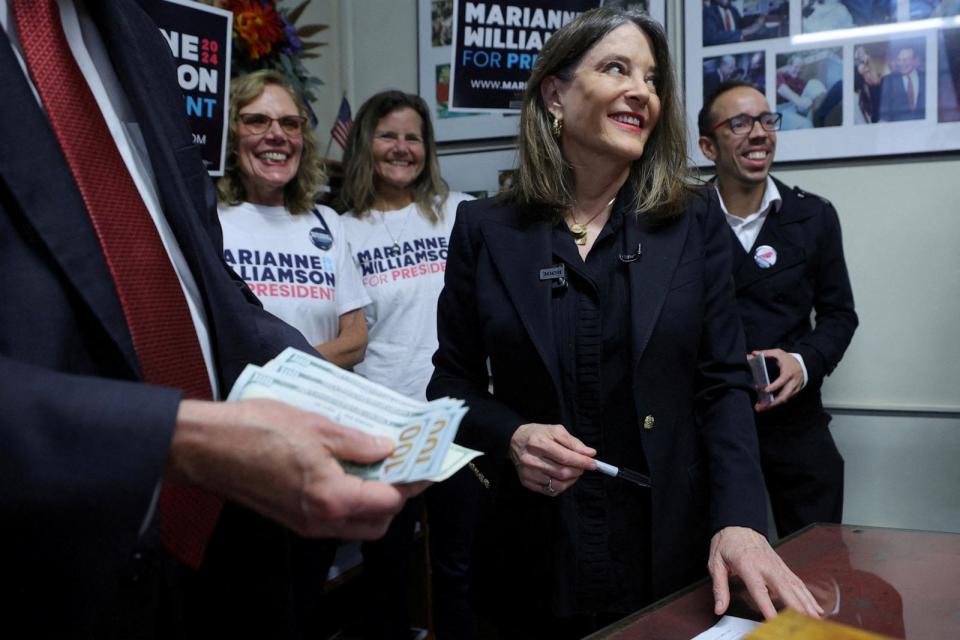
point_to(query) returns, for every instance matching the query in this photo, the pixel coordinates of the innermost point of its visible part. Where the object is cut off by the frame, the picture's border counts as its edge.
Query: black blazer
(810, 275)
(692, 390)
(83, 442)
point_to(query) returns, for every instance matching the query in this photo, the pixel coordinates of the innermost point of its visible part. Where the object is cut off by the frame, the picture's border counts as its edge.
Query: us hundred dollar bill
(423, 432)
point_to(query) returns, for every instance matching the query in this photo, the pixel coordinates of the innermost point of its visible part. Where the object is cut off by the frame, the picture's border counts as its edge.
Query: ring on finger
(548, 487)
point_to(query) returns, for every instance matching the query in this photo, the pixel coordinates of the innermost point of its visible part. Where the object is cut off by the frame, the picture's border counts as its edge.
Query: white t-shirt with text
(297, 265)
(404, 286)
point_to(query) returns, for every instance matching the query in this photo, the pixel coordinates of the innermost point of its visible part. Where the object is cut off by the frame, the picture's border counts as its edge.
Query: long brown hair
(359, 191)
(300, 193)
(544, 184)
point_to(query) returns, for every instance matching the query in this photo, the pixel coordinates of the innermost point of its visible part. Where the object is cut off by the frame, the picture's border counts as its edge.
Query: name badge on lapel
(556, 273)
(765, 256)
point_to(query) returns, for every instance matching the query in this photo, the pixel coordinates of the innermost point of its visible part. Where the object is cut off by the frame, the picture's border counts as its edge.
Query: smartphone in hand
(761, 378)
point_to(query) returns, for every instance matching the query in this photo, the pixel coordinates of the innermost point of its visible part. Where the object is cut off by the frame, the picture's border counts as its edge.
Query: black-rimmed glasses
(258, 123)
(742, 123)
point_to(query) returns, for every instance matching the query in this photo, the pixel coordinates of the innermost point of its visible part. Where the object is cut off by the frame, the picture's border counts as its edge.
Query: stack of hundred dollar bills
(423, 431)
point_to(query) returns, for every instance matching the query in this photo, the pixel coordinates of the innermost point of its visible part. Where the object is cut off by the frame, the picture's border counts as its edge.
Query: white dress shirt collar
(748, 228)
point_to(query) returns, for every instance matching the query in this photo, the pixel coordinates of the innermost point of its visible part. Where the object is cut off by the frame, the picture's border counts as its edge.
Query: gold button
(648, 423)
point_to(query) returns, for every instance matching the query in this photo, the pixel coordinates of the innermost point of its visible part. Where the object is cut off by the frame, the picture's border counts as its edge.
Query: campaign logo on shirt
(321, 238)
(411, 259)
(282, 274)
(765, 256)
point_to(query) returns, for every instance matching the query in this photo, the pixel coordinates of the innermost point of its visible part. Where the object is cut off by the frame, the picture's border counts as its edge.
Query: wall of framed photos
(852, 79)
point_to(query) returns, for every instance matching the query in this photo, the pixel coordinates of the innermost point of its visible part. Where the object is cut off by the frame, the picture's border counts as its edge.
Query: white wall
(383, 46)
(901, 470)
(901, 221)
(372, 46)
(901, 226)
(327, 67)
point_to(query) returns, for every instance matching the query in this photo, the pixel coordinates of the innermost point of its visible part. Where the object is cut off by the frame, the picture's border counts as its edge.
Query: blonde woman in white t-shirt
(290, 251)
(400, 213)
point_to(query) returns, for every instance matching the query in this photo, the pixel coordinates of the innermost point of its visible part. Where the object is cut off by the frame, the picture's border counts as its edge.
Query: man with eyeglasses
(788, 263)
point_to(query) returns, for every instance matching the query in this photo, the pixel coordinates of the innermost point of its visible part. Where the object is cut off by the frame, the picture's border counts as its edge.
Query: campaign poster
(199, 38)
(495, 45)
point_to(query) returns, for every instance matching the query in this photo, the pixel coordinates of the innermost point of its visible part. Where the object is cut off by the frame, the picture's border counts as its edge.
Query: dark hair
(359, 191)
(705, 117)
(300, 193)
(544, 184)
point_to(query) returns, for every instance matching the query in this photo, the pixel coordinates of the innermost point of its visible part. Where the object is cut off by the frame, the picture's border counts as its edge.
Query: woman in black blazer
(588, 315)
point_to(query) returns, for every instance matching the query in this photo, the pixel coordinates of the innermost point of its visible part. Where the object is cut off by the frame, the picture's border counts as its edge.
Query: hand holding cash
(422, 431)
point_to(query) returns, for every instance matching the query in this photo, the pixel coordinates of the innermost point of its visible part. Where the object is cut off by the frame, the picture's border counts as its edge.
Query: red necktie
(153, 302)
(911, 95)
(727, 20)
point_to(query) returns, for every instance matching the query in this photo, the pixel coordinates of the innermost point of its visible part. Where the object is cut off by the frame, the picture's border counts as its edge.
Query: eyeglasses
(742, 123)
(258, 123)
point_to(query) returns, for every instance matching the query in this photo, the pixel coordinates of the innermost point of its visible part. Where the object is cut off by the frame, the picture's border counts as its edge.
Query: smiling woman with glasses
(265, 104)
(269, 218)
(258, 123)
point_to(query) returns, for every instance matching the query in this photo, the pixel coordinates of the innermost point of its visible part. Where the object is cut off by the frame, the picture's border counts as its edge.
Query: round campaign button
(765, 256)
(321, 238)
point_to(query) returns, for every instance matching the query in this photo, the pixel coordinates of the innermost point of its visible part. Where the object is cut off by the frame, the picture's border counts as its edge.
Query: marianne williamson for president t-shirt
(404, 283)
(298, 265)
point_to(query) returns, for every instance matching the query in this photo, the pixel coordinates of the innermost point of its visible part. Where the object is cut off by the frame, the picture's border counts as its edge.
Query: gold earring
(556, 126)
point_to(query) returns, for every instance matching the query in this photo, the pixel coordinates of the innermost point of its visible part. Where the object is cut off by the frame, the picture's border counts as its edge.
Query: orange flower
(257, 24)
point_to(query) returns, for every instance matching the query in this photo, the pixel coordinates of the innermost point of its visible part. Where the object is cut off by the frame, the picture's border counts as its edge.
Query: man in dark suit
(903, 94)
(725, 68)
(104, 457)
(723, 24)
(788, 263)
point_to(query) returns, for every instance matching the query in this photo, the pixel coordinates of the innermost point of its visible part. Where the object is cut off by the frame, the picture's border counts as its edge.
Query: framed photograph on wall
(850, 79)
(434, 45)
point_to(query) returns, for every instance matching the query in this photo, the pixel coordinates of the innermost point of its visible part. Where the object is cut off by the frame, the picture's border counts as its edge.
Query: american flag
(342, 126)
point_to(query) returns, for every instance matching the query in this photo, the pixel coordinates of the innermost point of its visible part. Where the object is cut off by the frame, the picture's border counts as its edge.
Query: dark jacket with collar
(809, 277)
(83, 442)
(691, 385)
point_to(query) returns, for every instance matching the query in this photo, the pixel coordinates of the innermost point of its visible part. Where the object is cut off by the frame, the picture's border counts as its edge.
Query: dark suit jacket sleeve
(460, 363)
(885, 109)
(723, 398)
(66, 441)
(835, 317)
(80, 459)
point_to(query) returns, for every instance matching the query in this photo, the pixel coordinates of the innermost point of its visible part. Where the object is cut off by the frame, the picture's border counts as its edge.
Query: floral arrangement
(266, 36)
